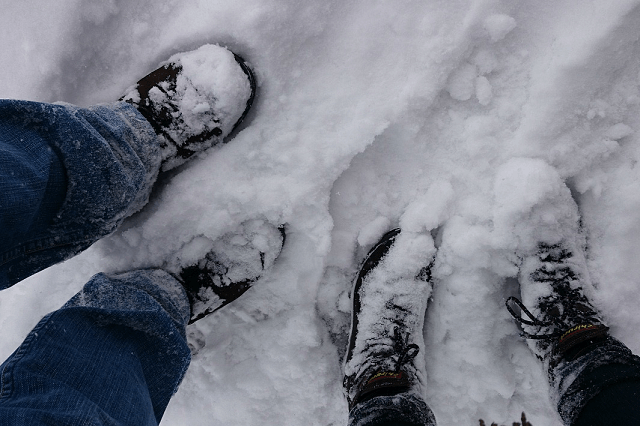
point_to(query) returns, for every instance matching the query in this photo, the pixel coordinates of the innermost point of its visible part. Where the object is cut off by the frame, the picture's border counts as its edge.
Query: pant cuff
(404, 409)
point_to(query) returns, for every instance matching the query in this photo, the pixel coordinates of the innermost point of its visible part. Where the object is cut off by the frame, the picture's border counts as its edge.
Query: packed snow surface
(463, 119)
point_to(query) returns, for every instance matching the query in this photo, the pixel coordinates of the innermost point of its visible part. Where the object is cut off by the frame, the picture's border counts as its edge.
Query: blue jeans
(116, 352)
(68, 176)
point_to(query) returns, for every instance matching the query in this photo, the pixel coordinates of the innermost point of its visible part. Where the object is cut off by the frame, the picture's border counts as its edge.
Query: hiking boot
(386, 328)
(561, 322)
(236, 261)
(194, 100)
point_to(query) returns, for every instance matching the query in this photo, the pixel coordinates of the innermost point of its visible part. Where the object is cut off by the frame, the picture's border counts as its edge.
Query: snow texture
(463, 119)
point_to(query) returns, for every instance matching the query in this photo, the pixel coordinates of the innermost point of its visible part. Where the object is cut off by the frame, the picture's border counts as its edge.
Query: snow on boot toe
(234, 263)
(194, 100)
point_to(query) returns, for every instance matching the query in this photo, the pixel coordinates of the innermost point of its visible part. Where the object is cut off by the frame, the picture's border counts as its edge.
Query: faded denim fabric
(113, 355)
(116, 352)
(68, 176)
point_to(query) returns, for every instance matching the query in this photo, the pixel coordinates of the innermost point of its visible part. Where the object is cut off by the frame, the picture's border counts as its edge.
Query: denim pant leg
(113, 355)
(116, 352)
(68, 176)
(600, 387)
(404, 409)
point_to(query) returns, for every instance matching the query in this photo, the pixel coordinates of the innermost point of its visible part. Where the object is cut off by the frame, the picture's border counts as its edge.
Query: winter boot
(567, 332)
(194, 100)
(236, 261)
(562, 324)
(386, 332)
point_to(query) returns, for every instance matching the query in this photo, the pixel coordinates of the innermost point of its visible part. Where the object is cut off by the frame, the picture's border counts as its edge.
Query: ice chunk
(486, 61)
(498, 26)
(484, 90)
(461, 83)
(371, 233)
(619, 131)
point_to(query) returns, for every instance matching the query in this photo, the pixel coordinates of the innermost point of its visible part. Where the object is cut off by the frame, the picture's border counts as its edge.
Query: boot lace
(399, 345)
(565, 306)
(531, 321)
(408, 351)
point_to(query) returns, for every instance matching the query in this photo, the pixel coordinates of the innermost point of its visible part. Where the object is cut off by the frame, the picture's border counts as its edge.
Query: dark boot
(386, 339)
(237, 260)
(194, 100)
(561, 321)
(567, 332)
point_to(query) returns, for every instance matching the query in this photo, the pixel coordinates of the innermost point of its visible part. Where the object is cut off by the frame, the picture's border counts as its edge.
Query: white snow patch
(498, 26)
(619, 131)
(372, 232)
(484, 90)
(462, 83)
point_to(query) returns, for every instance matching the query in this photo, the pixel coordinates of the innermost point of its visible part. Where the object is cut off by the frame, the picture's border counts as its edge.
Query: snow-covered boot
(567, 332)
(556, 311)
(386, 333)
(560, 320)
(194, 100)
(236, 261)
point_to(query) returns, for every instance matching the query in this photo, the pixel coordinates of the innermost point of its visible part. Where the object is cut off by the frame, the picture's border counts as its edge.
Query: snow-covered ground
(456, 118)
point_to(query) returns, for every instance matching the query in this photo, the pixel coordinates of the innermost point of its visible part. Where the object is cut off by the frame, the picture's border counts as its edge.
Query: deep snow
(454, 118)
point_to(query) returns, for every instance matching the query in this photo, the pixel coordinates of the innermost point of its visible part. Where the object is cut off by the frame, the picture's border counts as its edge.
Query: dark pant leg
(113, 356)
(405, 409)
(617, 404)
(68, 176)
(599, 387)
